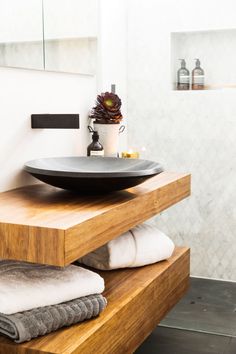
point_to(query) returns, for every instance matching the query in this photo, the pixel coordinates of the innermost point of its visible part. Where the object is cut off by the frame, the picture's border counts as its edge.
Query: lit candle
(130, 154)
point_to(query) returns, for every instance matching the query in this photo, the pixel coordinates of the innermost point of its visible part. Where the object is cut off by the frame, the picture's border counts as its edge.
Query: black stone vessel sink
(92, 175)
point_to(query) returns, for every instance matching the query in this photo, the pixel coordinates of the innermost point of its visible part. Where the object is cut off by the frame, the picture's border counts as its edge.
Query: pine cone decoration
(107, 109)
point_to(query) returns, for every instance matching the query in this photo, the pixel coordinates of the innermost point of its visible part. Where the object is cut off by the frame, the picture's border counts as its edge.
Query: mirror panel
(21, 34)
(71, 35)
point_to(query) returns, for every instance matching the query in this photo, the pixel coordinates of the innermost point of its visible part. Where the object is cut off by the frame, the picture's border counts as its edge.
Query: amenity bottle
(95, 148)
(183, 77)
(198, 77)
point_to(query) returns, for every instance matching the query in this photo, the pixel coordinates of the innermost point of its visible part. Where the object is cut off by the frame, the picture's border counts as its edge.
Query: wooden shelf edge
(43, 224)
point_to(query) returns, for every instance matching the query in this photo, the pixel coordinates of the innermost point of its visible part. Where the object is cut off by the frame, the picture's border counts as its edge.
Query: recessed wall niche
(216, 50)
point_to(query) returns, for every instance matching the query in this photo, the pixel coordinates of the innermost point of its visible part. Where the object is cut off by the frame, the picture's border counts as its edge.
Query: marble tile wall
(186, 131)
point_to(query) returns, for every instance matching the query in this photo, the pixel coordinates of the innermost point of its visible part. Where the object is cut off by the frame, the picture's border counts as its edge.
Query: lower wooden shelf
(137, 300)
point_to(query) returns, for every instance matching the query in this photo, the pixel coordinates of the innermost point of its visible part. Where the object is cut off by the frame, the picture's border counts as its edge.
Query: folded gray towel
(23, 326)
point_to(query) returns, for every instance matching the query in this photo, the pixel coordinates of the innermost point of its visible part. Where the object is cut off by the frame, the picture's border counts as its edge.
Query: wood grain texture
(137, 300)
(32, 244)
(44, 224)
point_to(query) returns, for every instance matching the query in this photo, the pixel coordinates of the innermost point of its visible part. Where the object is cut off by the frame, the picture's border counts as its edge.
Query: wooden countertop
(47, 225)
(137, 300)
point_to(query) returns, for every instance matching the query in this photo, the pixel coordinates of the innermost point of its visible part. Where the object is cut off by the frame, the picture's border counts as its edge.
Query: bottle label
(97, 153)
(198, 79)
(184, 79)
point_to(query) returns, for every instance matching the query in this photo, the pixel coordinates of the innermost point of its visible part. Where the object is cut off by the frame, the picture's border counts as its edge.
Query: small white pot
(109, 137)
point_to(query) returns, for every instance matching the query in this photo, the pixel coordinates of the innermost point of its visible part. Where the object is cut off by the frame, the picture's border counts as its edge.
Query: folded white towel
(25, 286)
(144, 244)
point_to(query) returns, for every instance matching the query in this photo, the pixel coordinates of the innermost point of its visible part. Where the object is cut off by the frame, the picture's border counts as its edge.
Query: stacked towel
(24, 326)
(142, 245)
(38, 299)
(24, 286)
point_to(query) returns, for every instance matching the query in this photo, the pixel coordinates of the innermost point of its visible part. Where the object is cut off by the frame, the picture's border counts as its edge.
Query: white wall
(186, 131)
(23, 92)
(113, 53)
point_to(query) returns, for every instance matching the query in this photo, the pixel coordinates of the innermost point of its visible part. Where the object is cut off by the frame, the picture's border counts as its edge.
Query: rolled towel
(24, 326)
(25, 286)
(152, 245)
(142, 245)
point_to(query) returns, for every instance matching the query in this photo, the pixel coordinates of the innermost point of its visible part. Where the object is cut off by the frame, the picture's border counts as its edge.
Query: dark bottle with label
(198, 77)
(183, 77)
(95, 148)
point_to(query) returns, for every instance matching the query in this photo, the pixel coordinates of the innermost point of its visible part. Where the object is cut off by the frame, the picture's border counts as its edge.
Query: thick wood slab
(43, 224)
(137, 300)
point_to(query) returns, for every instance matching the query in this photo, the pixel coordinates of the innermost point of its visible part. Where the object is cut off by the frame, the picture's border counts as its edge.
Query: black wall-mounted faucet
(55, 121)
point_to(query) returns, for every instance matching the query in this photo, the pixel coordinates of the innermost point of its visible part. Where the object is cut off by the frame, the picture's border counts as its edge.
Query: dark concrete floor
(209, 306)
(165, 340)
(203, 322)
